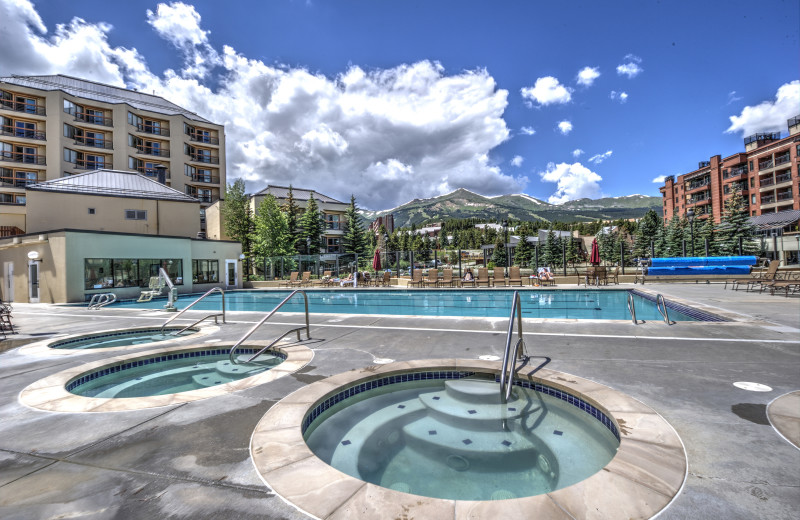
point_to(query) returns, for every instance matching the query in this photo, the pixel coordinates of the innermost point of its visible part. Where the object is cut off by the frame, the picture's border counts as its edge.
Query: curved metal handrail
(268, 316)
(632, 308)
(101, 300)
(208, 292)
(661, 303)
(507, 375)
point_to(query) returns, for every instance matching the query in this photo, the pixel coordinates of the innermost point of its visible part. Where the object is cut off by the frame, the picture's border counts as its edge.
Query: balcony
(93, 119)
(769, 181)
(786, 195)
(27, 108)
(696, 185)
(151, 172)
(765, 165)
(208, 159)
(203, 198)
(782, 159)
(25, 133)
(94, 142)
(25, 158)
(83, 164)
(149, 150)
(203, 139)
(213, 179)
(739, 170)
(784, 177)
(768, 199)
(17, 182)
(152, 129)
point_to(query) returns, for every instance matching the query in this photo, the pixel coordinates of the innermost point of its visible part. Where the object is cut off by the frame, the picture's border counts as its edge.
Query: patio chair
(291, 281)
(613, 276)
(384, 280)
(545, 276)
(432, 279)
(447, 278)
(325, 280)
(306, 280)
(5, 319)
(470, 282)
(596, 275)
(416, 279)
(757, 280)
(483, 277)
(786, 286)
(514, 278)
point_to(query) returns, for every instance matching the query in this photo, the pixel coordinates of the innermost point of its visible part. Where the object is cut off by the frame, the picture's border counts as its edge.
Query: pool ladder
(263, 320)
(510, 358)
(213, 315)
(661, 306)
(101, 300)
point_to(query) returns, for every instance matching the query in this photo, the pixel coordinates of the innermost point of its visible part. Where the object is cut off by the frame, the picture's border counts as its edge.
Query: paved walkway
(191, 460)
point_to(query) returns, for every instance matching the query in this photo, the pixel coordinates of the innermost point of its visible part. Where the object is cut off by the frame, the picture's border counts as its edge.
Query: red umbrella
(594, 258)
(376, 260)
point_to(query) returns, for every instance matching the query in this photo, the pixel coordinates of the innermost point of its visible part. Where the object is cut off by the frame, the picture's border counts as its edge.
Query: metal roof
(776, 220)
(282, 192)
(113, 183)
(101, 92)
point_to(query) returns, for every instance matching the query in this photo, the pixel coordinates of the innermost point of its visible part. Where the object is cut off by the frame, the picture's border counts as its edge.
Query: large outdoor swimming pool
(560, 304)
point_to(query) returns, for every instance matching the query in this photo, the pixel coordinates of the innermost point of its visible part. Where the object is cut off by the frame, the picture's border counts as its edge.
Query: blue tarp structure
(701, 265)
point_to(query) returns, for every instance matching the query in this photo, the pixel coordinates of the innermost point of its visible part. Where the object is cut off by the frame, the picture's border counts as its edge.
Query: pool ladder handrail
(661, 303)
(507, 373)
(214, 315)
(264, 319)
(632, 308)
(101, 300)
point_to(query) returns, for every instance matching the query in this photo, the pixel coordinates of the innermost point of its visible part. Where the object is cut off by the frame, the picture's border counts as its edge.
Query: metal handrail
(101, 300)
(268, 316)
(208, 292)
(661, 303)
(632, 308)
(507, 381)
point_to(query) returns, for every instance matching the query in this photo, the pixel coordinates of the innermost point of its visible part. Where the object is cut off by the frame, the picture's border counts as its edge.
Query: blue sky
(396, 100)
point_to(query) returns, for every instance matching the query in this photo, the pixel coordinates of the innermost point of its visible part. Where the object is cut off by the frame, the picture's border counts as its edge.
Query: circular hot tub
(433, 437)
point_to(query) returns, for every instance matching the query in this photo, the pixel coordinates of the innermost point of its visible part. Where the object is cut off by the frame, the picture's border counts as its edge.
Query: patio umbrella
(594, 258)
(376, 260)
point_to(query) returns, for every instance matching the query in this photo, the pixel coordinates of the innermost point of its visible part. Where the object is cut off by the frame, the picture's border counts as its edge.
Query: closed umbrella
(376, 260)
(594, 258)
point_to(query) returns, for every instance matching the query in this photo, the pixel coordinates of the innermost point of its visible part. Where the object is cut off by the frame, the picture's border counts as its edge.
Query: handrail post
(506, 378)
(632, 308)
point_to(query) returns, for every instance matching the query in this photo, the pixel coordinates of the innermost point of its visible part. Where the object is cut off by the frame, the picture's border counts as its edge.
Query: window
(135, 214)
(70, 156)
(91, 211)
(102, 273)
(332, 221)
(752, 181)
(24, 129)
(333, 245)
(753, 198)
(70, 107)
(751, 165)
(205, 271)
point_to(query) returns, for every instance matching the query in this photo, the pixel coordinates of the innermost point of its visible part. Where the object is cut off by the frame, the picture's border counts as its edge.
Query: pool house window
(106, 273)
(205, 271)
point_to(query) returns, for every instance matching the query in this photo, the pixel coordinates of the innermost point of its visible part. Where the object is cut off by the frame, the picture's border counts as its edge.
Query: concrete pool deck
(192, 460)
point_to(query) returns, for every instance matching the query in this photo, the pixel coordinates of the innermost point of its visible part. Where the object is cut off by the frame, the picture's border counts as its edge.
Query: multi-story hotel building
(56, 126)
(766, 173)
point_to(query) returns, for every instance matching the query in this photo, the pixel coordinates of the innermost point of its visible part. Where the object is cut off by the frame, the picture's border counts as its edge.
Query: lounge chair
(384, 280)
(470, 282)
(432, 279)
(613, 276)
(306, 280)
(447, 278)
(756, 280)
(786, 286)
(545, 276)
(483, 277)
(498, 277)
(292, 280)
(416, 279)
(514, 278)
(325, 280)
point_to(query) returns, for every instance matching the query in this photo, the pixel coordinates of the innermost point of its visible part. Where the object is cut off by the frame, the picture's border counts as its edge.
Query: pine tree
(660, 242)
(499, 255)
(523, 253)
(573, 252)
(705, 231)
(292, 210)
(238, 217)
(646, 233)
(311, 224)
(353, 240)
(271, 236)
(552, 250)
(673, 238)
(735, 224)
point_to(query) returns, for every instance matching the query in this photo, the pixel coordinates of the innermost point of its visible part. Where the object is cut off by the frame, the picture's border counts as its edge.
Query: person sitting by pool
(468, 275)
(545, 274)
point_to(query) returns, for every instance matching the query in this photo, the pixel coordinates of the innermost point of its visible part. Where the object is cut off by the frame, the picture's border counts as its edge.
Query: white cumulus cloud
(622, 97)
(527, 130)
(573, 181)
(385, 135)
(564, 127)
(587, 75)
(577, 152)
(597, 159)
(631, 67)
(769, 116)
(660, 179)
(547, 91)
(517, 161)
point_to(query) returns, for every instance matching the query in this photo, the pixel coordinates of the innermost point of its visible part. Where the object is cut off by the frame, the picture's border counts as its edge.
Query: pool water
(161, 375)
(122, 339)
(569, 304)
(454, 440)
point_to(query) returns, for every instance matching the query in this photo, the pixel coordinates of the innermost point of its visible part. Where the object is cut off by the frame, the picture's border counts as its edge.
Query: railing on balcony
(793, 121)
(203, 198)
(703, 164)
(774, 136)
(783, 177)
(769, 181)
(203, 139)
(763, 165)
(17, 182)
(13, 131)
(18, 106)
(768, 200)
(205, 178)
(26, 158)
(739, 170)
(149, 150)
(782, 159)
(94, 142)
(208, 159)
(786, 195)
(83, 164)
(93, 119)
(151, 172)
(151, 129)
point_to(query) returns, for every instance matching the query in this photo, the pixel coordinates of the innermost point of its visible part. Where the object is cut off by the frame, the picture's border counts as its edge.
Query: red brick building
(766, 172)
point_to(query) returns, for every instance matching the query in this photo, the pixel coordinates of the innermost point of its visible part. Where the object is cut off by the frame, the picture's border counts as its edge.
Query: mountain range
(463, 203)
